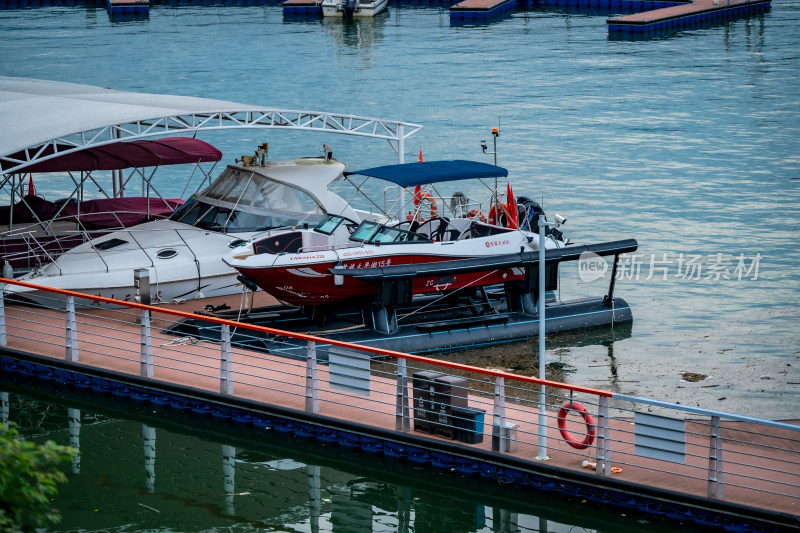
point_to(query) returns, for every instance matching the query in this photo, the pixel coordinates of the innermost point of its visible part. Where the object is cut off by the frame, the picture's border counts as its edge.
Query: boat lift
(396, 320)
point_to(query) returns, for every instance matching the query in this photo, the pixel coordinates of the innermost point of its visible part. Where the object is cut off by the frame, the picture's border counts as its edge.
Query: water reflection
(142, 469)
(358, 33)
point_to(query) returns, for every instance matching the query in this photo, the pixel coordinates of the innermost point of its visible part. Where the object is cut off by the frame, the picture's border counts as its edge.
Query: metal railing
(696, 451)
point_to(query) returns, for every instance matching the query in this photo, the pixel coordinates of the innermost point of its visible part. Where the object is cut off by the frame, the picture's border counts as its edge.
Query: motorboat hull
(337, 8)
(315, 285)
(305, 278)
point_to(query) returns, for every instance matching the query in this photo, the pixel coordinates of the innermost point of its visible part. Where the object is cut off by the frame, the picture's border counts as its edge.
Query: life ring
(477, 213)
(498, 215)
(433, 209)
(587, 418)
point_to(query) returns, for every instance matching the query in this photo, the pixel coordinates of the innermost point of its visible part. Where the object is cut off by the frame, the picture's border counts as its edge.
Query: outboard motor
(350, 6)
(529, 212)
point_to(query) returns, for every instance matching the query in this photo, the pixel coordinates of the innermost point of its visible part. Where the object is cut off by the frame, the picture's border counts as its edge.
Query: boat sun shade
(134, 154)
(410, 174)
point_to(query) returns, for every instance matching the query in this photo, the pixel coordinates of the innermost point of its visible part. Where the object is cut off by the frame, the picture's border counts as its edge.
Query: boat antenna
(484, 147)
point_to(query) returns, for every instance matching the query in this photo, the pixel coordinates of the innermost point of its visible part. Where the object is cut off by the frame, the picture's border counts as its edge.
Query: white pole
(542, 411)
(401, 148)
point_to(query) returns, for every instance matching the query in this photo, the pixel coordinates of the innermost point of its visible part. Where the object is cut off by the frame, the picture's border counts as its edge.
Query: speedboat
(323, 265)
(182, 254)
(352, 8)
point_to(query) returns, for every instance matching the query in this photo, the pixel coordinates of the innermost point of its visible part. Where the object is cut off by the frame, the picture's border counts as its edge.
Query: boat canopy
(134, 154)
(410, 174)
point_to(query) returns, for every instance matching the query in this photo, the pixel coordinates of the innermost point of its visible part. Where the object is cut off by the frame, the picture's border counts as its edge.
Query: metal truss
(393, 132)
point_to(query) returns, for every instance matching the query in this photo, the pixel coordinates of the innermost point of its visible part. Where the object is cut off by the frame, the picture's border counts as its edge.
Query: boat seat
(435, 228)
(458, 228)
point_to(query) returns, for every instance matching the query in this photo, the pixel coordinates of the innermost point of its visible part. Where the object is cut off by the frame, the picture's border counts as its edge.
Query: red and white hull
(305, 278)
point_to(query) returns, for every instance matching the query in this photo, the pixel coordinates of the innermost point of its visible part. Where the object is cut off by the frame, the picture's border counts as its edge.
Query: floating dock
(647, 458)
(128, 8)
(302, 8)
(481, 11)
(693, 14)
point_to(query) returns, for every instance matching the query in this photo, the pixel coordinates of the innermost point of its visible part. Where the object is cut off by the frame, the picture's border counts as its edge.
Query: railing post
(499, 415)
(312, 383)
(146, 353)
(3, 338)
(602, 452)
(402, 422)
(225, 360)
(71, 340)
(715, 489)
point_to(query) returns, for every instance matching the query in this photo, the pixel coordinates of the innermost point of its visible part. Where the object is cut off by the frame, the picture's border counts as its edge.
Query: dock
(481, 11)
(302, 8)
(645, 457)
(128, 8)
(698, 13)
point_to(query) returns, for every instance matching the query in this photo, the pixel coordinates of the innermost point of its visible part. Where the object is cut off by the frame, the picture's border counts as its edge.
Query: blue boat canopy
(410, 174)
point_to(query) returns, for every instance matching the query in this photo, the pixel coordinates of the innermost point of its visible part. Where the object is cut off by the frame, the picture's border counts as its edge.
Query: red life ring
(587, 418)
(477, 213)
(498, 215)
(433, 209)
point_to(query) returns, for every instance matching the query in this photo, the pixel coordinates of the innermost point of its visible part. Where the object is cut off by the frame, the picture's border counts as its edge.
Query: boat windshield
(241, 200)
(373, 233)
(330, 223)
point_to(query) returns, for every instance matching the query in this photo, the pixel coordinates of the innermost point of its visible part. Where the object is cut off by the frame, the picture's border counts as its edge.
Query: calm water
(690, 144)
(144, 471)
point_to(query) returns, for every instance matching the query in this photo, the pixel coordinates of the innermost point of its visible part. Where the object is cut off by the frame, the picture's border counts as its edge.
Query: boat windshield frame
(369, 232)
(330, 223)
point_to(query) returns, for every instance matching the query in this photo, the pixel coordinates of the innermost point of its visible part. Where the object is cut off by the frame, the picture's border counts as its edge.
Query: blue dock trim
(302, 8)
(128, 9)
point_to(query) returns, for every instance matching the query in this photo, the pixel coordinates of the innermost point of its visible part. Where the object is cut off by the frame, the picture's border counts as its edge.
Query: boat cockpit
(242, 201)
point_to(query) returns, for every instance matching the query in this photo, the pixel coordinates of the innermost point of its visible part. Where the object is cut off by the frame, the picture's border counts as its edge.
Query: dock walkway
(715, 470)
(690, 14)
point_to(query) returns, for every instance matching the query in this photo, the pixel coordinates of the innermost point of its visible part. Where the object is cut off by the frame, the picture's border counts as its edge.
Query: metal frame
(392, 131)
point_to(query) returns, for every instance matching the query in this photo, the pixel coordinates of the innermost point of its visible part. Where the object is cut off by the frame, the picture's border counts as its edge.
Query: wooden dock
(481, 10)
(696, 13)
(762, 483)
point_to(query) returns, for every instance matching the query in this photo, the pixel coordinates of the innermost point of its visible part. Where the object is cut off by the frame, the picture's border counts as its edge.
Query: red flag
(511, 206)
(418, 189)
(31, 188)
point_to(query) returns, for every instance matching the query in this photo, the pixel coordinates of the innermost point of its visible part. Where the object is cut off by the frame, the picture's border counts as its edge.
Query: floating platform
(455, 324)
(302, 8)
(128, 8)
(699, 12)
(481, 11)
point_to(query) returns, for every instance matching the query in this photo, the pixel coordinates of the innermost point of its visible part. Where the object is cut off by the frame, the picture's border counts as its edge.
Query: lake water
(689, 143)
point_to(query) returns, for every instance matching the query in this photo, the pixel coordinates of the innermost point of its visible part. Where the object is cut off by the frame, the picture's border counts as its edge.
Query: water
(689, 143)
(142, 470)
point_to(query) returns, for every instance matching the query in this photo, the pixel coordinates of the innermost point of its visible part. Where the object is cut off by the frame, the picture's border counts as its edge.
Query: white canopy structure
(41, 119)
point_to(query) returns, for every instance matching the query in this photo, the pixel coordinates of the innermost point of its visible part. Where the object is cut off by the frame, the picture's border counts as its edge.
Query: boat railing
(455, 206)
(478, 422)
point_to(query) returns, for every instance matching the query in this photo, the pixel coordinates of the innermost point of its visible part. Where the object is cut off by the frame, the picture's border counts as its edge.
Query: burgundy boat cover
(133, 154)
(105, 213)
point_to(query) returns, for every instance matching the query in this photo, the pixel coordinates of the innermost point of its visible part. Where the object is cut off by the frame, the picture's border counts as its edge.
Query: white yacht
(182, 254)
